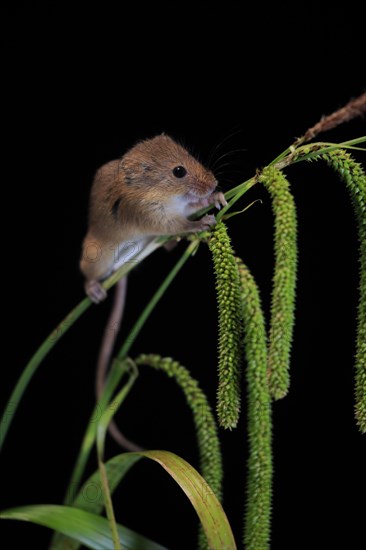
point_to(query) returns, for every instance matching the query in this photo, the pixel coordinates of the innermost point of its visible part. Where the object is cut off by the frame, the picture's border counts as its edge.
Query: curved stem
(56, 335)
(34, 363)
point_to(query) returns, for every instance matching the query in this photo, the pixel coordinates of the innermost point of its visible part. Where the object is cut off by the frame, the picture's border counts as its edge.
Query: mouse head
(167, 167)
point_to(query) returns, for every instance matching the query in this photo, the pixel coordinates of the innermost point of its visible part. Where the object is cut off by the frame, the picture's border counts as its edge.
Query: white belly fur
(178, 206)
(126, 251)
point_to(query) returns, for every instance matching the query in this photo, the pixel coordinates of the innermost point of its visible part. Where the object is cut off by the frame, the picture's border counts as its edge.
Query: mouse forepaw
(218, 199)
(207, 221)
(95, 291)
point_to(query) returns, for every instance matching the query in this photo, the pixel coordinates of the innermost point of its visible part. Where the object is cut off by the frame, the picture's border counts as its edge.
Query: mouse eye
(179, 171)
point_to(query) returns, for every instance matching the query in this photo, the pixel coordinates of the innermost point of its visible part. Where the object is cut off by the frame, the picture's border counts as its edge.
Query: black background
(77, 92)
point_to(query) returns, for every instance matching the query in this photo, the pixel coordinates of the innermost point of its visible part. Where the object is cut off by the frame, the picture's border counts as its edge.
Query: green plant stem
(102, 428)
(235, 194)
(312, 151)
(55, 336)
(109, 505)
(289, 152)
(33, 365)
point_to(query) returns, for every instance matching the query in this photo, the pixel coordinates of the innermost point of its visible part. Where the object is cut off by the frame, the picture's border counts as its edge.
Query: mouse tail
(105, 354)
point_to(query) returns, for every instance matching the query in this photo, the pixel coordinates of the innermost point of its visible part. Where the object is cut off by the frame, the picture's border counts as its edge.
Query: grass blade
(89, 529)
(209, 510)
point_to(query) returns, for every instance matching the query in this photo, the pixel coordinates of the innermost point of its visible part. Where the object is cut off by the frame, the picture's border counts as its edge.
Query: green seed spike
(230, 326)
(206, 429)
(355, 179)
(284, 280)
(259, 482)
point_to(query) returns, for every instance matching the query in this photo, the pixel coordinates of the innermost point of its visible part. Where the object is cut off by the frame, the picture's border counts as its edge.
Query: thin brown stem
(354, 108)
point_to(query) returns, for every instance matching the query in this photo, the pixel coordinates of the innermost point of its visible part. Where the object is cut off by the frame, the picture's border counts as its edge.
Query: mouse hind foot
(95, 291)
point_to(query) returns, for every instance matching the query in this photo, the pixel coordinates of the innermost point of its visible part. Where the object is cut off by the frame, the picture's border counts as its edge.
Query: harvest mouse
(150, 191)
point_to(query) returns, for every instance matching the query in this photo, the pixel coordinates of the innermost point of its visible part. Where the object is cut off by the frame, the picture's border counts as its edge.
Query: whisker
(221, 143)
(224, 155)
(232, 163)
(238, 174)
(217, 147)
(233, 171)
